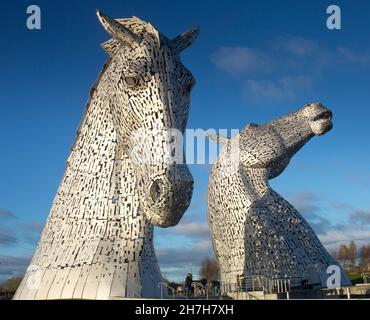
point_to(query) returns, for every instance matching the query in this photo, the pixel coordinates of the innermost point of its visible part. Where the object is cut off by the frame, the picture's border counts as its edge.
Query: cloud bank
(284, 68)
(314, 210)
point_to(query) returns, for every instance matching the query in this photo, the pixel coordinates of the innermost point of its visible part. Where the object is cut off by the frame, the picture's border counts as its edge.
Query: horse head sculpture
(149, 93)
(255, 232)
(124, 173)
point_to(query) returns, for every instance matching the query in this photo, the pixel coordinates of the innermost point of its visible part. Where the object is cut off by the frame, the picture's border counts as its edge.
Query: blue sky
(253, 61)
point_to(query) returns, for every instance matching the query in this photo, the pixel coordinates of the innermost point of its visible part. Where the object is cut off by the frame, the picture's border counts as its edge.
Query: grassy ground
(355, 277)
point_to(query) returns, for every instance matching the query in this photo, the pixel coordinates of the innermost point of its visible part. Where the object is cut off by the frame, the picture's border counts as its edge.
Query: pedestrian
(188, 283)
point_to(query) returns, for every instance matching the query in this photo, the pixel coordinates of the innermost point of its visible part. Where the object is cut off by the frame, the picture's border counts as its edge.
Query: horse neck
(293, 130)
(100, 173)
(254, 182)
(91, 163)
(95, 232)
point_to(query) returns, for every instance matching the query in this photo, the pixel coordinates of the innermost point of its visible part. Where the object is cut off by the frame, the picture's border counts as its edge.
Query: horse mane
(138, 26)
(88, 103)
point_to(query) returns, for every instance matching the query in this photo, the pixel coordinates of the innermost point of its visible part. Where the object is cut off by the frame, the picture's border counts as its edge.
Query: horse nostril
(155, 191)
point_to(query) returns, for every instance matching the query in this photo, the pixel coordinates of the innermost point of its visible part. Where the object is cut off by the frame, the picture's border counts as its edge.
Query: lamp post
(190, 267)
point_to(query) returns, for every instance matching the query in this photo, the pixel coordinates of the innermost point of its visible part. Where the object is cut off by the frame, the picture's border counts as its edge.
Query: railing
(249, 284)
(365, 276)
(164, 284)
(251, 296)
(199, 285)
(300, 282)
(278, 285)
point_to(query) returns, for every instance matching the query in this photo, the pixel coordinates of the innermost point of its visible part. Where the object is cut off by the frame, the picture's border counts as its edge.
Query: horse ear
(117, 30)
(185, 39)
(111, 46)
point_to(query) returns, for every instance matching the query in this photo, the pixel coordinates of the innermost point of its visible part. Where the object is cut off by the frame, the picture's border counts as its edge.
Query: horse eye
(131, 81)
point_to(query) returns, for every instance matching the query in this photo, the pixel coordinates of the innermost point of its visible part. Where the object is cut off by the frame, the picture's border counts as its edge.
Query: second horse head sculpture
(256, 232)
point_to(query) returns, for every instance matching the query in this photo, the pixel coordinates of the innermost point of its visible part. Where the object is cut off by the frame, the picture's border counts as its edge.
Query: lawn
(355, 277)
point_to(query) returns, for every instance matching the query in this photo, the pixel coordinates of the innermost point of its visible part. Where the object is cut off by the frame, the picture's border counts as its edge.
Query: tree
(343, 255)
(10, 286)
(334, 253)
(365, 257)
(209, 270)
(352, 253)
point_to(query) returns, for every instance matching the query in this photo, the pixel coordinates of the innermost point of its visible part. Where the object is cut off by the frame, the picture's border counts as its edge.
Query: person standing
(188, 283)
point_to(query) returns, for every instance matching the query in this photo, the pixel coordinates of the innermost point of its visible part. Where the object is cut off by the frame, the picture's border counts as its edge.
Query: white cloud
(305, 202)
(298, 46)
(7, 236)
(334, 237)
(12, 266)
(6, 214)
(352, 56)
(360, 217)
(174, 261)
(198, 230)
(241, 60)
(285, 67)
(280, 89)
(186, 243)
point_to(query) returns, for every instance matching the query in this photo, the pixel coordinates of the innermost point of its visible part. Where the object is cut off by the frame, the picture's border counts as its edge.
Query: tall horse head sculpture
(122, 177)
(255, 232)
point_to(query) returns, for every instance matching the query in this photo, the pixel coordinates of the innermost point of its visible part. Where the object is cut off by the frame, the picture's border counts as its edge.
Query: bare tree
(10, 286)
(210, 269)
(352, 253)
(334, 253)
(343, 255)
(365, 257)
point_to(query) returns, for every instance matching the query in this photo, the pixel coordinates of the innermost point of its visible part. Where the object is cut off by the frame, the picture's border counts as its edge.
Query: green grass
(355, 277)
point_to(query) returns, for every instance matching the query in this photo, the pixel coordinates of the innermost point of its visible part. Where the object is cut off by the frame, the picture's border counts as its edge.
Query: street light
(190, 267)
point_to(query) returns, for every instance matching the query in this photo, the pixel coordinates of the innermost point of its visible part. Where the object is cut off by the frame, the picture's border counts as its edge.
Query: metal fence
(267, 285)
(365, 276)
